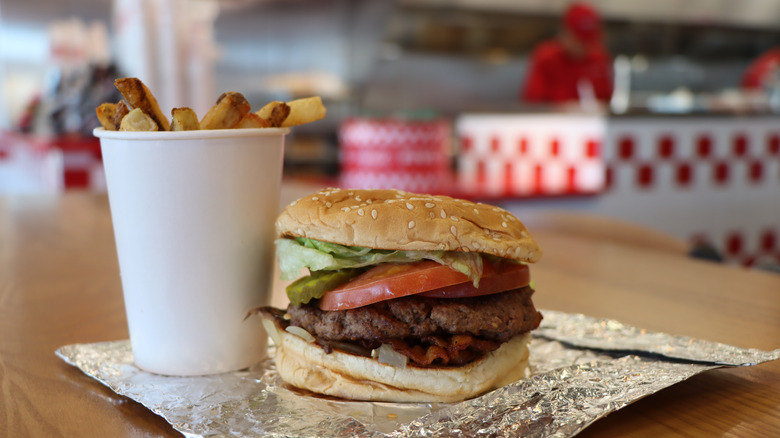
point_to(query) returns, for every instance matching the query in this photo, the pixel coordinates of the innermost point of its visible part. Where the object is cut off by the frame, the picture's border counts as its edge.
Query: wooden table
(59, 284)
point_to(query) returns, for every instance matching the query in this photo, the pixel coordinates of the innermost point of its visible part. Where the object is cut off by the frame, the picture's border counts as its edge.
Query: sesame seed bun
(397, 220)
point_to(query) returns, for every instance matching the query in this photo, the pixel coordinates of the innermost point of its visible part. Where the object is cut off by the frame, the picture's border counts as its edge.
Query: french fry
(105, 114)
(265, 111)
(306, 110)
(230, 108)
(184, 119)
(252, 120)
(138, 96)
(279, 114)
(137, 120)
(121, 111)
(274, 113)
(110, 114)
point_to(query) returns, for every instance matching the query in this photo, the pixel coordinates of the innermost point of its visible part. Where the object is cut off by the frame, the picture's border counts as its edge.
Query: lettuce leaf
(299, 253)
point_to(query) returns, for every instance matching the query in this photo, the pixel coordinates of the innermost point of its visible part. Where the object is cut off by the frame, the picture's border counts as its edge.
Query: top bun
(397, 220)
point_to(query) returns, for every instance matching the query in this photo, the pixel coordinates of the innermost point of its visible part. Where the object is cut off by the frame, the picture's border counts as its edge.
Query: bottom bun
(306, 365)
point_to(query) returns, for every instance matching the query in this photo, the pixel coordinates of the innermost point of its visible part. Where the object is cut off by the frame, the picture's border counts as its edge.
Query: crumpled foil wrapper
(582, 368)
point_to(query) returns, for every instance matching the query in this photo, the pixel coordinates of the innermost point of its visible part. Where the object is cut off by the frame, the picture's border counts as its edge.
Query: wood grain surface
(59, 284)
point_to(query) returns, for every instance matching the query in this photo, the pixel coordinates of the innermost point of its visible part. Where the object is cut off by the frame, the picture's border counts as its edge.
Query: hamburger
(408, 297)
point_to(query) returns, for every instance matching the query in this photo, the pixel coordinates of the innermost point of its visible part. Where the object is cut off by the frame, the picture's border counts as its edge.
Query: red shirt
(553, 74)
(759, 72)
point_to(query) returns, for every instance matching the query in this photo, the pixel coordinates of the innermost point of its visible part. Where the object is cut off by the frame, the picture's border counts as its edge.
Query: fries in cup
(252, 120)
(184, 119)
(140, 111)
(105, 114)
(230, 108)
(137, 120)
(305, 110)
(138, 96)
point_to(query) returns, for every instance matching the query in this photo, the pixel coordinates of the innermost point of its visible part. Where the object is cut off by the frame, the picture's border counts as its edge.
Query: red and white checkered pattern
(748, 248)
(714, 178)
(693, 152)
(530, 155)
(395, 153)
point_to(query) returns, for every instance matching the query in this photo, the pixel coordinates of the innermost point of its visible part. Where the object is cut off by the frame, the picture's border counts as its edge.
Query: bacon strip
(442, 351)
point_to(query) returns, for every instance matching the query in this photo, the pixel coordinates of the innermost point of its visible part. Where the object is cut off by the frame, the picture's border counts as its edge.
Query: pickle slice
(314, 286)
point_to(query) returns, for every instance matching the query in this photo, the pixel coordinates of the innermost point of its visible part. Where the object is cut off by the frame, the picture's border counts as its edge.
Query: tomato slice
(503, 277)
(388, 281)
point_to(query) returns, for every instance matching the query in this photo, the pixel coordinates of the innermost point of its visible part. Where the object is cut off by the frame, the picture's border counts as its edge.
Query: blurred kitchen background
(423, 95)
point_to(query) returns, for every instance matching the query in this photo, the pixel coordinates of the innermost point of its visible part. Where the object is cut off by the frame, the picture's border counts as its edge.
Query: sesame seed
(430, 213)
(294, 202)
(409, 206)
(503, 224)
(344, 209)
(524, 234)
(368, 201)
(315, 198)
(328, 204)
(454, 218)
(357, 198)
(453, 230)
(373, 214)
(430, 204)
(360, 212)
(411, 224)
(476, 211)
(443, 215)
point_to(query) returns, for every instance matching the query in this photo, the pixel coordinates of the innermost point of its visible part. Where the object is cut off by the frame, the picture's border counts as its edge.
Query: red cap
(583, 21)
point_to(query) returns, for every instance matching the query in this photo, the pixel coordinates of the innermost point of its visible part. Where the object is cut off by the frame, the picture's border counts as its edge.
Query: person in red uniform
(763, 72)
(573, 66)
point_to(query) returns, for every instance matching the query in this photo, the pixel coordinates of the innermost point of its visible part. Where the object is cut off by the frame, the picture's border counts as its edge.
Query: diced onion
(300, 332)
(270, 328)
(386, 355)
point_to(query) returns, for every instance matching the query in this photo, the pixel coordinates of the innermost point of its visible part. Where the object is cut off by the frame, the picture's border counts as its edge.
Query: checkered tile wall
(713, 179)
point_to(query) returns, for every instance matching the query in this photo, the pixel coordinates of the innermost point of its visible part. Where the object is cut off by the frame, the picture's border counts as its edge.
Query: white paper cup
(193, 216)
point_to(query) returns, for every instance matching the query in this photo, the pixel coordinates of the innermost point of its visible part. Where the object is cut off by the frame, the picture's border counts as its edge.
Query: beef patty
(497, 317)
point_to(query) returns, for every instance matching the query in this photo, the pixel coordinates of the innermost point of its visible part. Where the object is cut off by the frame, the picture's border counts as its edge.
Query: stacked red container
(411, 155)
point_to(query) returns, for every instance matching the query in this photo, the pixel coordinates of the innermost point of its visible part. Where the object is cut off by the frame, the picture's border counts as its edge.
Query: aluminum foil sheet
(582, 369)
